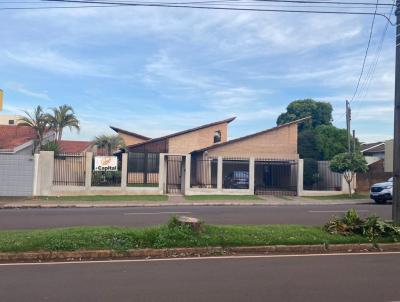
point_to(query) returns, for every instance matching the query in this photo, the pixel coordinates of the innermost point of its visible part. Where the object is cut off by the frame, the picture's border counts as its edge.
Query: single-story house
(274, 151)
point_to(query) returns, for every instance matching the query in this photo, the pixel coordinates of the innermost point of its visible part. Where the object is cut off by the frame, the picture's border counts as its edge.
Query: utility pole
(396, 140)
(354, 141)
(348, 119)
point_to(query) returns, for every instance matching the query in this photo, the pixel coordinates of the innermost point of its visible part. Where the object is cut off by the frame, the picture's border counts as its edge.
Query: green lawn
(119, 238)
(221, 197)
(339, 197)
(110, 198)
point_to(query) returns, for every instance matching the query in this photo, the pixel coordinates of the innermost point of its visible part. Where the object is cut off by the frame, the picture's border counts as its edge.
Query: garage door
(16, 175)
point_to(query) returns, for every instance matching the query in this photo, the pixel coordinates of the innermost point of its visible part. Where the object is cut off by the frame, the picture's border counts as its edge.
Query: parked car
(237, 180)
(382, 192)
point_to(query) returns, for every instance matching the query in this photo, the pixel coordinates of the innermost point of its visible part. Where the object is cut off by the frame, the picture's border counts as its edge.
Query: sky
(156, 71)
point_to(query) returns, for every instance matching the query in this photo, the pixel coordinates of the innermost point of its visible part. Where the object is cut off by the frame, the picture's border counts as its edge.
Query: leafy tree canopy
(349, 164)
(320, 113)
(330, 141)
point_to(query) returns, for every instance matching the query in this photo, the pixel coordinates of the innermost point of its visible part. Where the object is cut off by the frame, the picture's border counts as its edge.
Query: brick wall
(279, 143)
(374, 175)
(130, 139)
(196, 140)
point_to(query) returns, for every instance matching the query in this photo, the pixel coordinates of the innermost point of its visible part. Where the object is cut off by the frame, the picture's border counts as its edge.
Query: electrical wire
(366, 53)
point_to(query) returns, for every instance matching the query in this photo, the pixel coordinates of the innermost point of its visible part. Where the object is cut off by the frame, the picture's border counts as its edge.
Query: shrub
(352, 224)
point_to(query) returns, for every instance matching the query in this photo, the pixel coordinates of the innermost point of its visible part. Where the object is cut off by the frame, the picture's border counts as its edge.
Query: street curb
(196, 252)
(127, 205)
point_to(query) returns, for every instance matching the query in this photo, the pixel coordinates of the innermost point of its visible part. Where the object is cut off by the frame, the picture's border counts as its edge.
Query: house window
(217, 136)
(11, 122)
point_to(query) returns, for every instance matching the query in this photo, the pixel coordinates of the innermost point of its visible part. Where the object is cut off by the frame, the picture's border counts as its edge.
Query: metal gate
(174, 173)
(275, 177)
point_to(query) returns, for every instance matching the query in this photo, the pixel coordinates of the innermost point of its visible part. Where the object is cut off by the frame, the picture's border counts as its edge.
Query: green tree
(330, 141)
(349, 164)
(62, 117)
(37, 120)
(320, 113)
(109, 142)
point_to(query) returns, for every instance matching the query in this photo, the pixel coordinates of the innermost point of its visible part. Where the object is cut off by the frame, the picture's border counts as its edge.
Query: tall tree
(62, 117)
(37, 120)
(330, 141)
(320, 113)
(109, 142)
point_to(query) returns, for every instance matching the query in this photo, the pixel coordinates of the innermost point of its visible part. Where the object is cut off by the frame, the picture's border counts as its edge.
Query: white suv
(382, 192)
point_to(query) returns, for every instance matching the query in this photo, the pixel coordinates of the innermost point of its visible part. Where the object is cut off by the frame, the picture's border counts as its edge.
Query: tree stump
(193, 223)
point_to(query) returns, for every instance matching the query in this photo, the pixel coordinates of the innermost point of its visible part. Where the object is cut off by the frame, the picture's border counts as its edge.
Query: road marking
(157, 213)
(333, 211)
(201, 258)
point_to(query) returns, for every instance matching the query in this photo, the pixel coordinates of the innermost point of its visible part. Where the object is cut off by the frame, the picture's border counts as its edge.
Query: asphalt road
(146, 216)
(313, 279)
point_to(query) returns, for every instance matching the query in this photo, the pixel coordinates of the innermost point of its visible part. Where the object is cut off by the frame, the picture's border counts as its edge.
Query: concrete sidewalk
(174, 200)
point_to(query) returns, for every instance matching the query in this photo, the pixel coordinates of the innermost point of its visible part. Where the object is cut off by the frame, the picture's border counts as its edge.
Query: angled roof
(119, 130)
(13, 136)
(373, 147)
(67, 146)
(251, 135)
(228, 120)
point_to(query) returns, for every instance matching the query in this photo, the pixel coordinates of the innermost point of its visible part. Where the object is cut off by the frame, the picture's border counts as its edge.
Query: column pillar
(300, 176)
(124, 171)
(251, 174)
(88, 170)
(219, 174)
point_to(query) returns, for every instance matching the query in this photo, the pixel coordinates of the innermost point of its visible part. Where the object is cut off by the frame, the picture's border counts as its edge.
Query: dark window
(11, 122)
(217, 136)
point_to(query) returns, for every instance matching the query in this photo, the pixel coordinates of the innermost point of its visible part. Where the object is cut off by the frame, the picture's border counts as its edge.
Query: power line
(366, 53)
(167, 5)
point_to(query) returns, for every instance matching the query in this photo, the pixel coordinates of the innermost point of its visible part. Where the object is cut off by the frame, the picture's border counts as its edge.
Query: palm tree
(63, 116)
(109, 142)
(37, 120)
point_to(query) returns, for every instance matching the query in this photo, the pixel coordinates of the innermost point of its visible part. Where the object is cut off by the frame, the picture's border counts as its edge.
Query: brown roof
(119, 130)
(12, 136)
(373, 147)
(74, 146)
(184, 132)
(251, 135)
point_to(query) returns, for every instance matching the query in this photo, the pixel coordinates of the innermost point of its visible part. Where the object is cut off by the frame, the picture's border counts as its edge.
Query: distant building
(9, 119)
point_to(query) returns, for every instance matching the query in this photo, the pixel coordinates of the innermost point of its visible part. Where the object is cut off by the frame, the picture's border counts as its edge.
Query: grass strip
(339, 197)
(221, 197)
(95, 198)
(119, 238)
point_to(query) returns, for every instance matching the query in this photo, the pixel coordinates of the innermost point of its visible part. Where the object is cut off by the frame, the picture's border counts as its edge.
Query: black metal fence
(203, 172)
(107, 178)
(235, 173)
(69, 169)
(143, 169)
(319, 177)
(275, 177)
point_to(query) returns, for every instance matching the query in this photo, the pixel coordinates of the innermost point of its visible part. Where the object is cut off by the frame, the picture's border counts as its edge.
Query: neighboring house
(373, 152)
(130, 138)
(19, 139)
(16, 159)
(9, 119)
(68, 146)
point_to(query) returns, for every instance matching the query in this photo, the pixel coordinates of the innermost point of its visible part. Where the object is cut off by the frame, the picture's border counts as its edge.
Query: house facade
(199, 160)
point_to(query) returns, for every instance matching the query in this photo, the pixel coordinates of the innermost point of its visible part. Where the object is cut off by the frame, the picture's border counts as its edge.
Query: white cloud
(20, 88)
